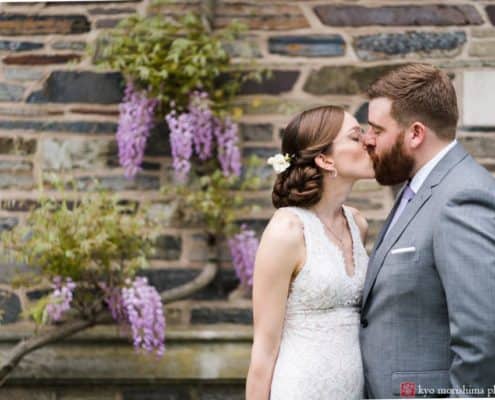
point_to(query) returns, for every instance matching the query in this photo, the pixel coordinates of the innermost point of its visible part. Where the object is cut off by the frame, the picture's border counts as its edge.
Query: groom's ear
(417, 136)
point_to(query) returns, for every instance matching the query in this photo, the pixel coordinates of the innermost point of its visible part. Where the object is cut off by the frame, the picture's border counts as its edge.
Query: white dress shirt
(418, 179)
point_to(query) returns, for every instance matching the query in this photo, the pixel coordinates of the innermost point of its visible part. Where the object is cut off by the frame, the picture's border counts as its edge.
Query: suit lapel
(384, 244)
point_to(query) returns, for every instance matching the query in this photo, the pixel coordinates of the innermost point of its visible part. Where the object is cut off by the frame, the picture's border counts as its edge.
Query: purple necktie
(407, 196)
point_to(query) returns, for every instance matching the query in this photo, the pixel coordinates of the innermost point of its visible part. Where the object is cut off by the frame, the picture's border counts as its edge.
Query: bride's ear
(325, 162)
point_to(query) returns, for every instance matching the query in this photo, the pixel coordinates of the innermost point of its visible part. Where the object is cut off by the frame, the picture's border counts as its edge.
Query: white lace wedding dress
(319, 356)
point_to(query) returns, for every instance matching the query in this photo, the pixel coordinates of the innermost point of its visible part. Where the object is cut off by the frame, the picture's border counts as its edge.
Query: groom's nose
(368, 139)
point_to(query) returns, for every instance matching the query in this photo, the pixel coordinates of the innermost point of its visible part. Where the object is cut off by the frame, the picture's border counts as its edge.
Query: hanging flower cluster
(135, 124)
(60, 299)
(137, 305)
(144, 309)
(243, 247)
(199, 132)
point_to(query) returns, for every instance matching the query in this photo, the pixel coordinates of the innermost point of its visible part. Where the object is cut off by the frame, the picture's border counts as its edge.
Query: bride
(311, 264)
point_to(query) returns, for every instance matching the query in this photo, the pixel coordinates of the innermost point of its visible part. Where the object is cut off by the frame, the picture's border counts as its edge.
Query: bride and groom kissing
(417, 316)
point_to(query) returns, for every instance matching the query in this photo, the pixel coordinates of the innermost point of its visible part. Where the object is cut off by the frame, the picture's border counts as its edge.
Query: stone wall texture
(58, 113)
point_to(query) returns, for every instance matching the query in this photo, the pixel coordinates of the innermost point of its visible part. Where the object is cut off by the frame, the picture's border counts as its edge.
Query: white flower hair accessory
(280, 162)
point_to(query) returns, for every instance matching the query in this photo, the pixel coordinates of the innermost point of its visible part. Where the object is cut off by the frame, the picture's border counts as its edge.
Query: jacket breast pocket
(421, 384)
(402, 255)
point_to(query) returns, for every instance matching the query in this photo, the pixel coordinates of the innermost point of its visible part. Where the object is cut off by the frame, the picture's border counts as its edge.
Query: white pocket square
(403, 250)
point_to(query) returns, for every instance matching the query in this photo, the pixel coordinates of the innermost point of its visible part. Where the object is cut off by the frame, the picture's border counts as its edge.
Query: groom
(428, 311)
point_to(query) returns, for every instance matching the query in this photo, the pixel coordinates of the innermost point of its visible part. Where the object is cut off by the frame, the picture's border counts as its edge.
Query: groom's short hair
(420, 92)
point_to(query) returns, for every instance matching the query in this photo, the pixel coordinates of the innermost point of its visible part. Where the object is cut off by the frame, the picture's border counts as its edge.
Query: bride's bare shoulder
(284, 225)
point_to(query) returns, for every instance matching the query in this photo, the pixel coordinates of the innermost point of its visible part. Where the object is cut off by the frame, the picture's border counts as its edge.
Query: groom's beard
(393, 167)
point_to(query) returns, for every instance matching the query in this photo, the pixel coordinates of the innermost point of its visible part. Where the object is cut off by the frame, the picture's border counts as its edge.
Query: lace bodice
(319, 356)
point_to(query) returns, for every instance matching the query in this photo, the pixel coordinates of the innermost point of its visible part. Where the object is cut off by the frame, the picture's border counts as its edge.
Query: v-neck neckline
(337, 247)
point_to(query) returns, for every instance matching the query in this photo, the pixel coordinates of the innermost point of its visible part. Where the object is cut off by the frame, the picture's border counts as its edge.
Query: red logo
(407, 389)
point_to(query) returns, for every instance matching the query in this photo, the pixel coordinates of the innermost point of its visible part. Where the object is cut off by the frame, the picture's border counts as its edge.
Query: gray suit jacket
(428, 315)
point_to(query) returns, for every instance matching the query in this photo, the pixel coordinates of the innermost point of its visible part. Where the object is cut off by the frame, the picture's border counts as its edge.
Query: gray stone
(23, 74)
(479, 94)
(344, 79)
(107, 23)
(7, 223)
(269, 16)
(362, 113)
(17, 146)
(59, 154)
(206, 315)
(15, 165)
(69, 45)
(119, 183)
(307, 46)
(111, 11)
(29, 25)
(80, 87)
(54, 126)
(256, 132)
(41, 59)
(482, 48)
(432, 44)
(279, 82)
(10, 269)
(9, 92)
(479, 146)
(167, 247)
(158, 143)
(27, 111)
(490, 11)
(16, 180)
(12, 45)
(10, 307)
(406, 15)
(365, 203)
(245, 48)
(261, 152)
(168, 278)
(483, 32)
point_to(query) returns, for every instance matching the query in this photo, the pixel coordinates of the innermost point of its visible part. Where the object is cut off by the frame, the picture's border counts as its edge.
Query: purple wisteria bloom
(229, 154)
(60, 299)
(243, 248)
(144, 310)
(135, 123)
(203, 119)
(181, 142)
(197, 132)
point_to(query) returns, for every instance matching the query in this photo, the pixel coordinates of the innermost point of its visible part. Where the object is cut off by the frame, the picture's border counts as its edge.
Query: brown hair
(307, 135)
(420, 92)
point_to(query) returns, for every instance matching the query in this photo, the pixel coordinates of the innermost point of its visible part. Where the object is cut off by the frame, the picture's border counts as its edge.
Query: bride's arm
(280, 252)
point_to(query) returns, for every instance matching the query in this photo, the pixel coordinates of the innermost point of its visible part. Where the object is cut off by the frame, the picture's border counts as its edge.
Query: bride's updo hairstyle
(308, 134)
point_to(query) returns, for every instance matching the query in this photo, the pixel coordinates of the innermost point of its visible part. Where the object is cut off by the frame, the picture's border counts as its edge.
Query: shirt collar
(418, 179)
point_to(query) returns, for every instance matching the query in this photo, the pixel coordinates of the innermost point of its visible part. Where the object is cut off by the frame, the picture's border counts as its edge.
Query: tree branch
(203, 279)
(35, 342)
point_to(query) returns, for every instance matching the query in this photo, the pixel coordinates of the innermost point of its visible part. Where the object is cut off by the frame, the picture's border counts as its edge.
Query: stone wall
(58, 113)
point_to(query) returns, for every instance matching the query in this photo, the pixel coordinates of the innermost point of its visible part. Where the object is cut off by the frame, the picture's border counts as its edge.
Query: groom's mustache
(391, 167)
